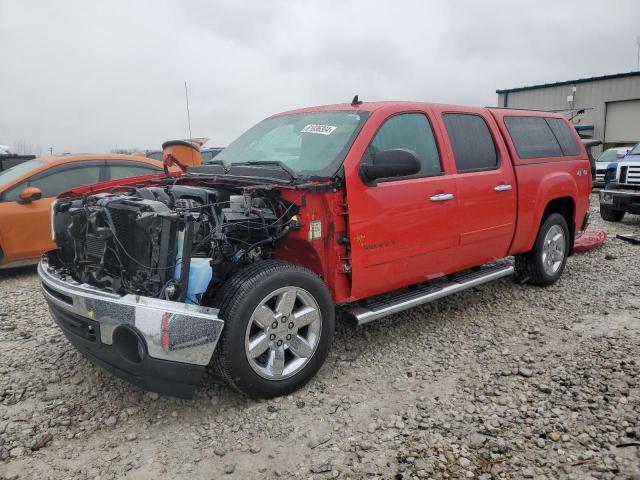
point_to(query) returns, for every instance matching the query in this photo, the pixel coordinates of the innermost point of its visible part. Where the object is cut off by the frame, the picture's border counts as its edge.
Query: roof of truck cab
(362, 107)
(373, 106)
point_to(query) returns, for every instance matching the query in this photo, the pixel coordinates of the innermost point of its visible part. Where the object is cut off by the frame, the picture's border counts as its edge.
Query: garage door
(622, 122)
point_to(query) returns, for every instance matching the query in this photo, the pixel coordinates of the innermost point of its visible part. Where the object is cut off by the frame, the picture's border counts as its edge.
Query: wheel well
(566, 207)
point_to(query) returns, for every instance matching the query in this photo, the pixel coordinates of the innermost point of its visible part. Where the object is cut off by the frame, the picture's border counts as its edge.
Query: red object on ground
(589, 241)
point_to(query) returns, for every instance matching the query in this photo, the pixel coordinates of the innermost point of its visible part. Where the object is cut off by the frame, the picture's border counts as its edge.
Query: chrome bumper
(609, 196)
(171, 331)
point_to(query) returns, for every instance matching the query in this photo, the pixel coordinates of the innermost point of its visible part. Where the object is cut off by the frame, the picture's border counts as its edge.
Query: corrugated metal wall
(593, 94)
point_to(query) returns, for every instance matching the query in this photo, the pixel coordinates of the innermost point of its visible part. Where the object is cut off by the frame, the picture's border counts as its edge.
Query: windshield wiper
(278, 163)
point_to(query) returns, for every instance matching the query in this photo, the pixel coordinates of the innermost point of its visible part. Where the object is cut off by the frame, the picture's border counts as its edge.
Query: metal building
(611, 105)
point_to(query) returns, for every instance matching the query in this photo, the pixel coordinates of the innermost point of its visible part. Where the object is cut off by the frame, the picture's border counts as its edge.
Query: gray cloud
(88, 76)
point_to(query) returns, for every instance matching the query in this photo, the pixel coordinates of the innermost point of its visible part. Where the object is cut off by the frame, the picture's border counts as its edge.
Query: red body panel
(325, 255)
(396, 236)
(486, 217)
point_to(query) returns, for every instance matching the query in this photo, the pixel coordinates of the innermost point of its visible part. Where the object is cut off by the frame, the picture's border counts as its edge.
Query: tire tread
(527, 269)
(231, 296)
(611, 215)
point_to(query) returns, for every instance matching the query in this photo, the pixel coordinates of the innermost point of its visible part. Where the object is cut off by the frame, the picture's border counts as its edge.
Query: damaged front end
(135, 276)
(175, 242)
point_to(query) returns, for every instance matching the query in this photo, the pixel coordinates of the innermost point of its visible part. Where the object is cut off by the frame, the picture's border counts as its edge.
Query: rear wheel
(279, 323)
(544, 264)
(611, 215)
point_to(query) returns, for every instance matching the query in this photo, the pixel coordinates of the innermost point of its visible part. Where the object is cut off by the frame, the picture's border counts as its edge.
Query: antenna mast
(186, 96)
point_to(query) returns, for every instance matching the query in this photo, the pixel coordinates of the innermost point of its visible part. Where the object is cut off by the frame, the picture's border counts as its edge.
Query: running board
(378, 307)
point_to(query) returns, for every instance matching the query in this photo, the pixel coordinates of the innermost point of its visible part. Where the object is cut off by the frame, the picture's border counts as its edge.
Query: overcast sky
(92, 76)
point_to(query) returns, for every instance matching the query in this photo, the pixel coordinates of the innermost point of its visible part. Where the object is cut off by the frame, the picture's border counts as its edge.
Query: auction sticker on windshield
(319, 129)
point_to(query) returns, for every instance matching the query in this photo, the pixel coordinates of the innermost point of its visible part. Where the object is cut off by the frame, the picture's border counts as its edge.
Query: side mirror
(29, 194)
(399, 162)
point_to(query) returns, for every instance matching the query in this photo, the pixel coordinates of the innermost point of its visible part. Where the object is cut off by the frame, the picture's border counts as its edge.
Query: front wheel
(544, 264)
(279, 323)
(611, 215)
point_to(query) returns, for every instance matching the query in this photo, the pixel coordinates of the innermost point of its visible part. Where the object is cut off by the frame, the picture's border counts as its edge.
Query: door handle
(441, 197)
(502, 188)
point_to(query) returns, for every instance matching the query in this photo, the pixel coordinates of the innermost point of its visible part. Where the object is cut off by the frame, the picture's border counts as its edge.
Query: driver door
(402, 230)
(25, 228)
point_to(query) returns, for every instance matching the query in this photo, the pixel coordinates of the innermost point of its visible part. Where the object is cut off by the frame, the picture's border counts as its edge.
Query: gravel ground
(502, 381)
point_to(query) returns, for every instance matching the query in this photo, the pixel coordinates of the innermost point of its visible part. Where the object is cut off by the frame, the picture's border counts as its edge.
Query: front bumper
(158, 345)
(623, 200)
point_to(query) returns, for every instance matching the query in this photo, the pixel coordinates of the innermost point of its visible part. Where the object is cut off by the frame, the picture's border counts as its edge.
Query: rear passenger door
(485, 184)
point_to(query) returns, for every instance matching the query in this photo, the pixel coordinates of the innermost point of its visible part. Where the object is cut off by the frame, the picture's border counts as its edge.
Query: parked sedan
(28, 189)
(605, 158)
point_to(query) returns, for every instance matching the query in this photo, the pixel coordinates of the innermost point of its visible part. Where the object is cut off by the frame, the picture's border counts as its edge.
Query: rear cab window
(541, 137)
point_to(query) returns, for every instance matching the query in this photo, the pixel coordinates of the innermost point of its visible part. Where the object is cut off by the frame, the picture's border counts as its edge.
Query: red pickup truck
(355, 210)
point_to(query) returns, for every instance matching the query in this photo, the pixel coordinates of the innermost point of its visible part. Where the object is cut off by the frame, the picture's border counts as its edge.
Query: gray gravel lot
(502, 381)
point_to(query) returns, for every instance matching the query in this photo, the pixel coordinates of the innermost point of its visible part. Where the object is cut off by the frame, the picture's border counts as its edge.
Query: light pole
(638, 42)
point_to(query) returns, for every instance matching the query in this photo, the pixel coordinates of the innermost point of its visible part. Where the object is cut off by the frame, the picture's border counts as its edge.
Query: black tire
(611, 215)
(238, 299)
(529, 266)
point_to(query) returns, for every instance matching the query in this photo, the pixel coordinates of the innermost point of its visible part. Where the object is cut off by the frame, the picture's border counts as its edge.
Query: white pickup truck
(622, 187)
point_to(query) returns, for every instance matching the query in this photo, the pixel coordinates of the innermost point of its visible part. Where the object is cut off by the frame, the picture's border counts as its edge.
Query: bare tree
(22, 147)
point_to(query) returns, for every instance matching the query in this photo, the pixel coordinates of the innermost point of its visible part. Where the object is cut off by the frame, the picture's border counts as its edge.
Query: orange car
(28, 189)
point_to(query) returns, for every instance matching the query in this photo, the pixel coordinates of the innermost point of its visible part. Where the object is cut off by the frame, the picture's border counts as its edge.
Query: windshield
(610, 155)
(313, 143)
(17, 171)
(635, 150)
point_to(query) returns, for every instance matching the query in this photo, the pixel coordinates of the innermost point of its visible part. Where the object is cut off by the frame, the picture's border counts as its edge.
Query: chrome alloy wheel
(283, 333)
(553, 250)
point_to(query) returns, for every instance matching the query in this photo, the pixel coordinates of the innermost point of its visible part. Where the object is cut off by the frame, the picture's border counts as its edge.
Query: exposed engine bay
(174, 242)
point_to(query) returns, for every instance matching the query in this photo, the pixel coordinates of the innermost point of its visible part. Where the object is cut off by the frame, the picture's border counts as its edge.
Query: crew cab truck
(622, 187)
(360, 210)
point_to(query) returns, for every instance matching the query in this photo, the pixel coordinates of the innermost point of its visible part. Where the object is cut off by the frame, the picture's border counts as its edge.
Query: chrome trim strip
(364, 315)
(172, 331)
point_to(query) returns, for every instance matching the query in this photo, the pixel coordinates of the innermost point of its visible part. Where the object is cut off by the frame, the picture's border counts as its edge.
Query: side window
(57, 182)
(133, 170)
(155, 156)
(564, 135)
(532, 137)
(411, 131)
(11, 195)
(471, 141)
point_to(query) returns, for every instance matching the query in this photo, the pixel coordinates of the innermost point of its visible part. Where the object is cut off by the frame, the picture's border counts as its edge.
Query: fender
(537, 188)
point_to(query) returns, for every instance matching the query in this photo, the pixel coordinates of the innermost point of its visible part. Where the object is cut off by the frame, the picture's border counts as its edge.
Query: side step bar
(379, 307)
